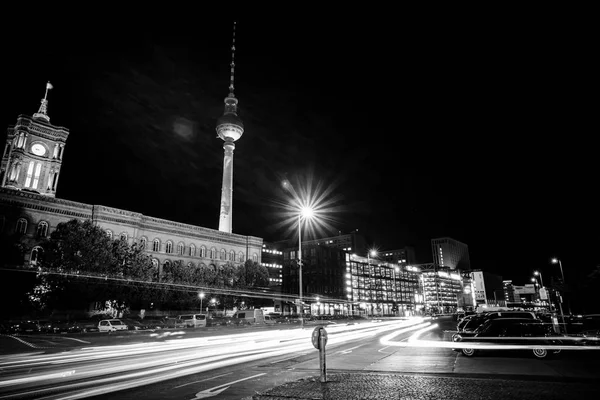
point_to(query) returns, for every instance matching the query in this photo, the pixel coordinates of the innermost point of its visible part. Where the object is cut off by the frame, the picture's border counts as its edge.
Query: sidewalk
(378, 386)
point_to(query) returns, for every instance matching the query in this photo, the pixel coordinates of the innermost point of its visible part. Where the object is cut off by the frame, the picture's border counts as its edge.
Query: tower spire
(231, 94)
(43, 111)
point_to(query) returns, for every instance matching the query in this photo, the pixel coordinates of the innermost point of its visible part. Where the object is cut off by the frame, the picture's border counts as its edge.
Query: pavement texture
(350, 386)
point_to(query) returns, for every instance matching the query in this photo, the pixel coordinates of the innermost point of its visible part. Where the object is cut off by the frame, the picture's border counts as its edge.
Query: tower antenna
(232, 63)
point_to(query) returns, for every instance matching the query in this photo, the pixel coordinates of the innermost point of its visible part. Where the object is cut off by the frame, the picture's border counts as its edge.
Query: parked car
(522, 331)
(134, 325)
(111, 325)
(191, 321)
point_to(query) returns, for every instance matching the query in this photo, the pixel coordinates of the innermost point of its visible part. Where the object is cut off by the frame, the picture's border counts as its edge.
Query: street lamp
(306, 213)
(395, 271)
(536, 273)
(201, 296)
(562, 274)
(372, 253)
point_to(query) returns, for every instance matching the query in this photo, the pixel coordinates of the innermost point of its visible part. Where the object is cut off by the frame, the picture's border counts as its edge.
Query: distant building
(510, 295)
(335, 281)
(272, 259)
(450, 253)
(489, 287)
(405, 255)
(352, 242)
(443, 287)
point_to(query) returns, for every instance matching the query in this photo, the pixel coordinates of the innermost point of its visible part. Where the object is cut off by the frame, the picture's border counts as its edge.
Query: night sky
(422, 126)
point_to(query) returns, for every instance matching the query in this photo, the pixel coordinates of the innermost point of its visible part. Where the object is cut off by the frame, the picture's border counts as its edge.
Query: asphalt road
(218, 364)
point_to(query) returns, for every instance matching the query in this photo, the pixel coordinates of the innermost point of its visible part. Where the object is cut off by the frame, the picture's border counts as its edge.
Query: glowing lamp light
(307, 212)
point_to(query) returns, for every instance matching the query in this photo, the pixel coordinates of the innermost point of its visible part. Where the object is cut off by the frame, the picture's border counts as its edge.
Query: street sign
(318, 332)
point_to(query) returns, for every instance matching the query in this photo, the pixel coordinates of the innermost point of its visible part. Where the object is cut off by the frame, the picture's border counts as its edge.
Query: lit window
(213, 253)
(202, 251)
(180, 248)
(29, 174)
(36, 177)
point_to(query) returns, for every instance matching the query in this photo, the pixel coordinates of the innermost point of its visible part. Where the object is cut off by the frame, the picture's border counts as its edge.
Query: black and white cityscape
(262, 210)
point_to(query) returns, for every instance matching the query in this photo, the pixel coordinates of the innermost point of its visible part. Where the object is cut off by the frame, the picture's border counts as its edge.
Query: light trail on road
(93, 371)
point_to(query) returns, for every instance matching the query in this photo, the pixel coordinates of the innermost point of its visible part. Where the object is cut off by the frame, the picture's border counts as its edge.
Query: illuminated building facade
(443, 287)
(33, 153)
(338, 282)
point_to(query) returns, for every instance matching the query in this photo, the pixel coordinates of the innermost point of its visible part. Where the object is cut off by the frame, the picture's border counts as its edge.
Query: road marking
(289, 358)
(204, 380)
(349, 350)
(381, 350)
(219, 389)
(77, 340)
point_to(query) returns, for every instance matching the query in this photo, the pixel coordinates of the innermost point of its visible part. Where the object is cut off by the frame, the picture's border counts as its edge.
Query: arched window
(42, 229)
(191, 265)
(255, 257)
(223, 254)
(241, 257)
(156, 245)
(169, 247)
(143, 242)
(21, 226)
(155, 263)
(201, 265)
(155, 270)
(232, 255)
(192, 250)
(123, 236)
(202, 251)
(109, 233)
(213, 267)
(36, 255)
(213, 253)
(180, 248)
(167, 264)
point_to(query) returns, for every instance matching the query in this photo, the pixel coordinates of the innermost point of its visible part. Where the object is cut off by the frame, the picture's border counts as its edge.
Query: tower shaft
(225, 219)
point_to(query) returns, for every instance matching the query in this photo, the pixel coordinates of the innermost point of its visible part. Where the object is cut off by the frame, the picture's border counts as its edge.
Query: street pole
(395, 291)
(300, 270)
(370, 283)
(564, 284)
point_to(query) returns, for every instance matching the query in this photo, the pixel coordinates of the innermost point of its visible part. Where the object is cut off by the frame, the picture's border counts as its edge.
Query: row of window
(190, 251)
(42, 232)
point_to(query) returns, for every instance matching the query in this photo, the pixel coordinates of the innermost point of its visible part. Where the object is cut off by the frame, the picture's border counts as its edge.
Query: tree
(251, 274)
(82, 264)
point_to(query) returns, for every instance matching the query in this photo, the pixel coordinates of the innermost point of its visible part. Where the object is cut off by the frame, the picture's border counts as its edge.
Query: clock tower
(33, 152)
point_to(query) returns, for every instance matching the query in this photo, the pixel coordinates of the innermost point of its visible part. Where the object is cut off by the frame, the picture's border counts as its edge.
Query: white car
(111, 325)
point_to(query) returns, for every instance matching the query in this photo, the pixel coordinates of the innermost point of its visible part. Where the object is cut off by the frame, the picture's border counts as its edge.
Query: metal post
(322, 358)
(564, 284)
(370, 283)
(300, 270)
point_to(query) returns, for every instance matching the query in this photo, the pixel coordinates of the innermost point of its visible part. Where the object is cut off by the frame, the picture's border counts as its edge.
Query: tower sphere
(229, 125)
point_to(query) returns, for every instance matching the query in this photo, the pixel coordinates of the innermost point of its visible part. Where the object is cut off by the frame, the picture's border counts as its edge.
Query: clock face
(38, 149)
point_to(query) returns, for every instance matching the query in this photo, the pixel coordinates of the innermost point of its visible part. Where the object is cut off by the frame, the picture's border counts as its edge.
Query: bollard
(319, 340)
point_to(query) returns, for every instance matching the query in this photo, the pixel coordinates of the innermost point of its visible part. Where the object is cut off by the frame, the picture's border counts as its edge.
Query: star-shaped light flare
(314, 202)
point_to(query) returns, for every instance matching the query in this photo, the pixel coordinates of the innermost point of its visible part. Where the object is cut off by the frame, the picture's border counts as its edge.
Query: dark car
(519, 331)
(135, 325)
